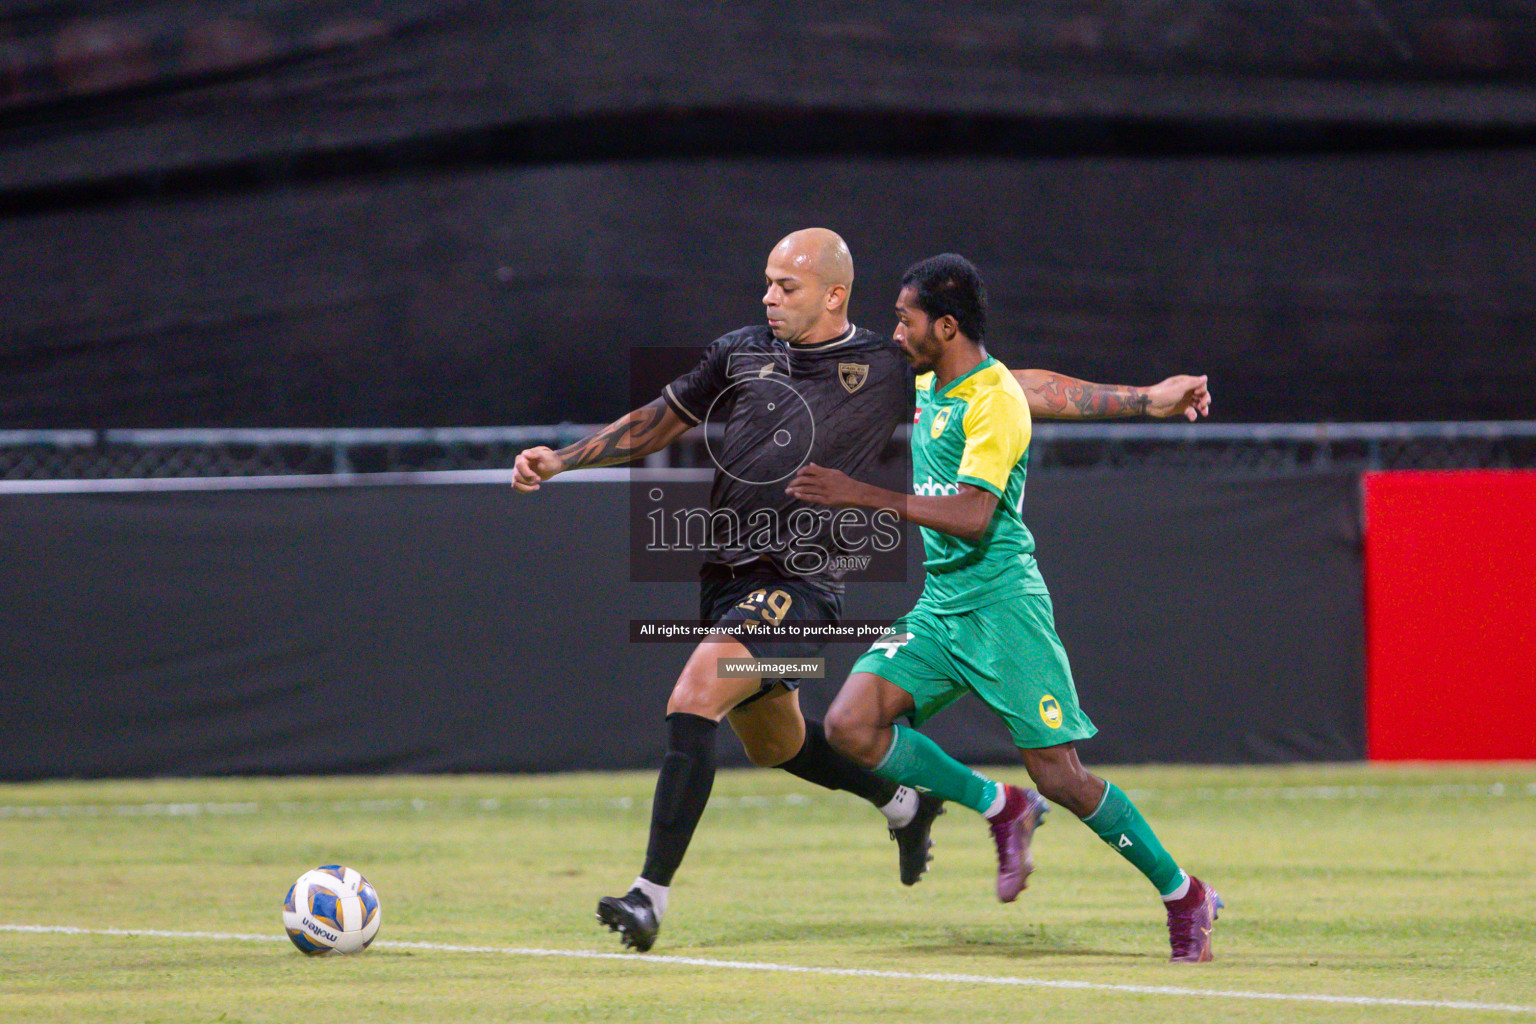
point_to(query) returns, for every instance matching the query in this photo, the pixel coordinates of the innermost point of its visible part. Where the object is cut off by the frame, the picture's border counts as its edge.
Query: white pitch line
(376, 806)
(1307, 794)
(832, 972)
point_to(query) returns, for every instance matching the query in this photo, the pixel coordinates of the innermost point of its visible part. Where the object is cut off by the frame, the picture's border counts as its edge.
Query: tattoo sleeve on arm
(1069, 398)
(632, 437)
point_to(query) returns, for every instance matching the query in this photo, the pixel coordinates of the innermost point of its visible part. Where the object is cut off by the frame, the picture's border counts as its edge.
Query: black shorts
(768, 597)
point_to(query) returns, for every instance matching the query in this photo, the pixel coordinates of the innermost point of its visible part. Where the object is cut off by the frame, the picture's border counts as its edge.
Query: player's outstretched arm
(1057, 396)
(646, 430)
(965, 515)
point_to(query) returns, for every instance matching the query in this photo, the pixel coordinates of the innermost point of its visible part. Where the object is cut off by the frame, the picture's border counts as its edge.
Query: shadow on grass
(1034, 942)
(1027, 942)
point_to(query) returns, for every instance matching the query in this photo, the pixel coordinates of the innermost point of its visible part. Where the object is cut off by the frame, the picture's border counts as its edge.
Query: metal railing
(413, 454)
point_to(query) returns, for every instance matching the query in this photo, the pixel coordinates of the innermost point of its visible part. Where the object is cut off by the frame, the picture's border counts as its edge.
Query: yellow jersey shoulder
(997, 428)
(994, 378)
(924, 382)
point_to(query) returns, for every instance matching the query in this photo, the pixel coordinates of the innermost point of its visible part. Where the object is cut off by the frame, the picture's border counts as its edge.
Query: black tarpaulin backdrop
(418, 213)
(459, 628)
(98, 89)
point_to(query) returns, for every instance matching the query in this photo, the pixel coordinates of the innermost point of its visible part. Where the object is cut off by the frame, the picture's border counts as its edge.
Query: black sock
(682, 790)
(820, 762)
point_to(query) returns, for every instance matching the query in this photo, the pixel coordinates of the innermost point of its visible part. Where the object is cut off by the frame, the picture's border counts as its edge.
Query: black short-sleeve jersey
(835, 403)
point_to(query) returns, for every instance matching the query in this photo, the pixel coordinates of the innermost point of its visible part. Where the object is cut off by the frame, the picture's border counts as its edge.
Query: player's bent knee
(1066, 784)
(1055, 791)
(769, 754)
(698, 697)
(852, 735)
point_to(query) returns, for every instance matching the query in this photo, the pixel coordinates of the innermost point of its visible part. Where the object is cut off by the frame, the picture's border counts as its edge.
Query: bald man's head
(808, 277)
(819, 251)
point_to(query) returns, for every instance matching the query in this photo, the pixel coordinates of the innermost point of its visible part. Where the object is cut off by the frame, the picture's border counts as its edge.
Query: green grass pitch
(1411, 891)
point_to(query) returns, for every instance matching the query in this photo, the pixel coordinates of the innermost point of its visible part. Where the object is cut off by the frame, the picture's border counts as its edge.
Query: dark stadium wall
(97, 94)
(430, 212)
(464, 628)
(1318, 288)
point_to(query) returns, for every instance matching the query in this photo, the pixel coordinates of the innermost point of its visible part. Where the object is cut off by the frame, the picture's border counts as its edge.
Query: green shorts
(1007, 654)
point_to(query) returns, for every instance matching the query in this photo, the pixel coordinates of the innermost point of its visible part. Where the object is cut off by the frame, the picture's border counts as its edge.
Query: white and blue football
(332, 909)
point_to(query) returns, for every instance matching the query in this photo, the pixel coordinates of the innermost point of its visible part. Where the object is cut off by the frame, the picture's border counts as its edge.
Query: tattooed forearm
(1069, 398)
(632, 437)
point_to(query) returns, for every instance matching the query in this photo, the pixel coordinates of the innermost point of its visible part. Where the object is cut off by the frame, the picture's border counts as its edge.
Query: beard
(923, 353)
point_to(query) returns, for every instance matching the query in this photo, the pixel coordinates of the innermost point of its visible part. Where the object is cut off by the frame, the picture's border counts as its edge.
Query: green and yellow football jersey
(975, 430)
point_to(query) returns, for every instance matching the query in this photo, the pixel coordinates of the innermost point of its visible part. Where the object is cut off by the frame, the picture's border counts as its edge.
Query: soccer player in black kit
(856, 387)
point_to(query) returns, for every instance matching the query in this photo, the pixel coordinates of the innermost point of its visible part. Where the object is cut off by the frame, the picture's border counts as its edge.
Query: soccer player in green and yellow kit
(984, 622)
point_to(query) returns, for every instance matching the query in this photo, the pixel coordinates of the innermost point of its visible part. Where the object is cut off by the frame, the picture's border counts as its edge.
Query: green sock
(1120, 824)
(915, 760)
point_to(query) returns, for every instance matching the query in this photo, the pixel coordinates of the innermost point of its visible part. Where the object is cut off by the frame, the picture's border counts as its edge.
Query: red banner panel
(1450, 585)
